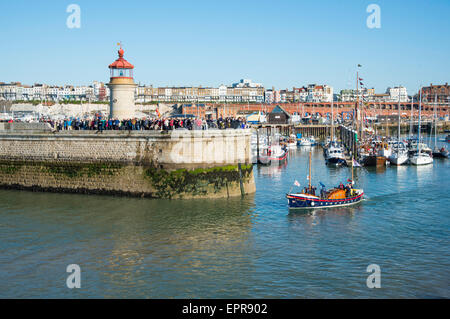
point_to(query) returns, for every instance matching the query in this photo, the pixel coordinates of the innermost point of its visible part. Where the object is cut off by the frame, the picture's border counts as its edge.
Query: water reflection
(315, 216)
(424, 174)
(274, 170)
(124, 243)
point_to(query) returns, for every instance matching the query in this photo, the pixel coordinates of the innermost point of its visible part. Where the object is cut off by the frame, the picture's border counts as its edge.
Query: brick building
(441, 91)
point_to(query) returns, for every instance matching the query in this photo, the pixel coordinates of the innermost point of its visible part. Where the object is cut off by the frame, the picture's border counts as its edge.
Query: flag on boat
(361, 79)
(296, 183)
(355, 163)
(350, 181)
(307, 177)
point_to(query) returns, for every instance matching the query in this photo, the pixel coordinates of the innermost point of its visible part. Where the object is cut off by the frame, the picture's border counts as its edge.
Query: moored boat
(437, 152)
(292, 142)
(277, 154)
(334, 154)
(304, 141)
(307, 141)
(374, 160)
(399, 158)
(421, 158)
(440, 153)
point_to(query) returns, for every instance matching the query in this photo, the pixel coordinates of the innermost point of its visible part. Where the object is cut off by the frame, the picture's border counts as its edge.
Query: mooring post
(241, 184)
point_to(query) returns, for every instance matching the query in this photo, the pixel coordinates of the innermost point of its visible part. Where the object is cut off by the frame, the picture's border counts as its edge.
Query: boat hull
(374, 160)
(336, 161)
(306, 202)
(440, 154)
(304, 144)
(421, 160)
(398, 160)
(264, 160)
(278, 159)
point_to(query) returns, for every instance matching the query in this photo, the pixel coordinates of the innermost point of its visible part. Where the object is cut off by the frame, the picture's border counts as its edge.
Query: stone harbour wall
(158, 164)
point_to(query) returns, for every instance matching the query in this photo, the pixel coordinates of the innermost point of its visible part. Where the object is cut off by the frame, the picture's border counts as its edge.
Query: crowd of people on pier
(100, 123)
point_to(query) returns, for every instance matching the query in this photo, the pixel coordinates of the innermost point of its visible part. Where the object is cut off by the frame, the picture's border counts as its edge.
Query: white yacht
(421, 158)
(307, 141)
(399, 154)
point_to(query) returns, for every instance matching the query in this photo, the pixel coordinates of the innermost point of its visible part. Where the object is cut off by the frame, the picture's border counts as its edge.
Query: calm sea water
(236, 248)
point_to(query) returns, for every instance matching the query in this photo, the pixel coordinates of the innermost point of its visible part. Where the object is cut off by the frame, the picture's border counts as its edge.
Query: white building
(396, 92)
(246, 83)
(269, 96)
(319, 93)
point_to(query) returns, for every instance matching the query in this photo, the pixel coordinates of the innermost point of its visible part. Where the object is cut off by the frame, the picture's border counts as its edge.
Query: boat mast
(420, 117)
(332, 119)
(411, 118)
(435, 120)
(431, 127)
(352, 170)
(355, 119)
(398, 135)
(309, 177)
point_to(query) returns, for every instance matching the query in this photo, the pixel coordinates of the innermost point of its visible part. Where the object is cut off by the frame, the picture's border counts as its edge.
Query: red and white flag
(296, 183)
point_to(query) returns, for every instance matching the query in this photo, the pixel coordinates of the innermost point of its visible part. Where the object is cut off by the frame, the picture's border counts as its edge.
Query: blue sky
(278, 43)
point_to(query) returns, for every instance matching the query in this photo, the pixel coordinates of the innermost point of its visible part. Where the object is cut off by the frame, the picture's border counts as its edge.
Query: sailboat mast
(420, 117)
(398, 134)
(435, 120)
(355, 120)
(332, 119)
(411, 118)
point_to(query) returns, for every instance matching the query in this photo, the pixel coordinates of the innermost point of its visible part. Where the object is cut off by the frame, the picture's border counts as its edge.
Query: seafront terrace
(343, 109)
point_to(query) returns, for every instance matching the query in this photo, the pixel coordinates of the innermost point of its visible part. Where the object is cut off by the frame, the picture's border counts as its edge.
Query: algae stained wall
(177, 164)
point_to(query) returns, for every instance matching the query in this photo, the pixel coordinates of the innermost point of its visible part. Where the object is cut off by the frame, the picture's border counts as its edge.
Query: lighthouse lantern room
(121, 68)
(122, 88)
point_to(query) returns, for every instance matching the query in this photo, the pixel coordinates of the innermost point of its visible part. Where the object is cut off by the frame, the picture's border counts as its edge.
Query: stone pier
(158, 164)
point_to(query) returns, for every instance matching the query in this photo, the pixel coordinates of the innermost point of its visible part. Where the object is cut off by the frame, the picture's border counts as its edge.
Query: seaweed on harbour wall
(10, 167)
(68, 169)
(194, 182)
(73, 170)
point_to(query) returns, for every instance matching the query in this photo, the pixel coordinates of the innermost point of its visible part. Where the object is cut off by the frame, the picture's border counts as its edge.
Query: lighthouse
(122, 88)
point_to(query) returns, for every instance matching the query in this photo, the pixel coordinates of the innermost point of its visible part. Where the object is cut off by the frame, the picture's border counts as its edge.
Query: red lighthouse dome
(121, 68)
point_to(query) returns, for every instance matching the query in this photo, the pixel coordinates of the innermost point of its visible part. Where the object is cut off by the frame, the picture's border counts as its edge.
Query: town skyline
(243, 91)
(299, 85)
(283, 45)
